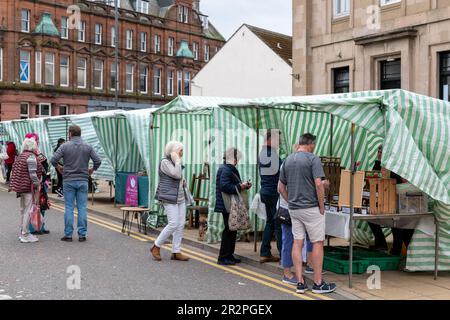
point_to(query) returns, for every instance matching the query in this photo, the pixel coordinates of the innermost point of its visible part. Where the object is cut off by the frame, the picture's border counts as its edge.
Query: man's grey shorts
(308, 220)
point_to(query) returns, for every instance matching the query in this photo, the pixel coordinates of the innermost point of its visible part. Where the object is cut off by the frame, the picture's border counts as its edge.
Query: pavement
(111, 265)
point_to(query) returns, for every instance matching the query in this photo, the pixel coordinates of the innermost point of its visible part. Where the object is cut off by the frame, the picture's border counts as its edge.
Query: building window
(157, 43)
(195, 50)
(38, 67)
(113, 36)
(142, 6)
(183, 14)
(157, 81)
(444, 75)
(24, 110)
(143, 45)
(170, 75)
(81, 73)
(390, 74)
(64, 28)
(341, 80)
(82, 31)
(49, 69)
(170, 46)
(386, 2)
(129, 39)
(129, 77)
(25, 20)
(180, 82)
(98, 33)
(98, 74)
(63, 110)
(1, 64)
(43, 110)
(64, 71)
(143, 79)
(341, 8)
(187, 83)
(114, 77)
(206, 53)
(24, 66)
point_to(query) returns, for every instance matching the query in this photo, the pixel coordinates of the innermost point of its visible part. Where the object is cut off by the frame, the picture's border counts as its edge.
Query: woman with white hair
(172, 193)
(25, 176)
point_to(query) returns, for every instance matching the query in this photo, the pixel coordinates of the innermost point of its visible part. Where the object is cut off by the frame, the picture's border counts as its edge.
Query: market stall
(414, 131)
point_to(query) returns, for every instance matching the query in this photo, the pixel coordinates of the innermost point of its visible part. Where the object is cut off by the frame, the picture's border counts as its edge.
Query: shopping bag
(239, 218)
(36, 218)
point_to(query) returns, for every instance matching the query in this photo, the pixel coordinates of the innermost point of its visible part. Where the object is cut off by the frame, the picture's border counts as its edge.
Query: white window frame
(113, 36)
(38, 67)
(64, 28)
(143, 41)
(185, 14)
(195, 47)
(127, 74)
(25, 20)
(343, 6)
(40, 105)
(170, 46)
(157, 43)
(206, 55)
(85, 73)
(144, 70)
(180, 82)
(98, 33)
(51, 64)
(116, 71)
(23, 115)
(157, 80)
(20, 61)
(142, 6)
(101, 74)
(67, 67)
(388, 2)
(187, 78)
(129, 39)
(170, 79)
(82, 31)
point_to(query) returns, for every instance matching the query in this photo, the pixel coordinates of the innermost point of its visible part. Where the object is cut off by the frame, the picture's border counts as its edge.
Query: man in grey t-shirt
(302, 174)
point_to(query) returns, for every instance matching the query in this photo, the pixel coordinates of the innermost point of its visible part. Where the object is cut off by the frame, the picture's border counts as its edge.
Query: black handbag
(283, 215)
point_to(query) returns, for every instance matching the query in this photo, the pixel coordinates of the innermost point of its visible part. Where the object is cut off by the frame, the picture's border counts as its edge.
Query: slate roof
(281, 44)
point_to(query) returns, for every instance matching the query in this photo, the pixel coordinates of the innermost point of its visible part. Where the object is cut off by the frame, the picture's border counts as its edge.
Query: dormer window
(142, 6)
(183, 14)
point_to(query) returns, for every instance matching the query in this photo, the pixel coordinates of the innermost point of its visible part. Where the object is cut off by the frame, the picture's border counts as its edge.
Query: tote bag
(236, 205)
(36, 219)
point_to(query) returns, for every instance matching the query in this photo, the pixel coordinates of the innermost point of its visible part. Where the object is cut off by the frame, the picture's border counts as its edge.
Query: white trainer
(29, 238)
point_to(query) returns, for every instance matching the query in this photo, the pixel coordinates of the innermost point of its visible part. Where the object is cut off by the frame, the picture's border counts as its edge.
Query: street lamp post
(116, 53)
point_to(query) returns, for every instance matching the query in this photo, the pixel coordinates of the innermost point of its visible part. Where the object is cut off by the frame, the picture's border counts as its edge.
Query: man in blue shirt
(269, 163)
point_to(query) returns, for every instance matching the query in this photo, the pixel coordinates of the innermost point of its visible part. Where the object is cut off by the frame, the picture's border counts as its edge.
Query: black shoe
(226, 262)
(82, 239)
(37, 233)
(45, 231)
(323, 288)
(301, 287)
(237, 260)
(66, 239)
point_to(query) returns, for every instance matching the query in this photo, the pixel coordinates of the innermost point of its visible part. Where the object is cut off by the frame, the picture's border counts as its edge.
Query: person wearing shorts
(301, 185)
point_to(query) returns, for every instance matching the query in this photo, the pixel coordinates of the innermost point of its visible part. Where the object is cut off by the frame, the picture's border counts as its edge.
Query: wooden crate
(332, 169)
(386, 201)
(344, 189)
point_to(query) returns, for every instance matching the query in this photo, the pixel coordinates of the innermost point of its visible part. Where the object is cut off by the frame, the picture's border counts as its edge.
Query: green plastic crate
(339, 263)
(381, 259)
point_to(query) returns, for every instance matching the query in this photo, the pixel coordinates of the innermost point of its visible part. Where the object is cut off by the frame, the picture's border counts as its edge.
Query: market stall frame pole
(115, 163)
(255, 232)
(331, 155)
(436, 248)
(352, 170)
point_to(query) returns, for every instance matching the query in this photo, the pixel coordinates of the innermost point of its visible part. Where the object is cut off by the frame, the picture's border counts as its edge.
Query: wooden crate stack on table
(383, 193)
(332, 169)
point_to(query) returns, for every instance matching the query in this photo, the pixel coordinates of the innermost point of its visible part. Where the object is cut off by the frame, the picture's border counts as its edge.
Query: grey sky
(228, 15)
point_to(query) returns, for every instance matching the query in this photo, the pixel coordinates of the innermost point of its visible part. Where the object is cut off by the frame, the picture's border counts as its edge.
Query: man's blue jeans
(75, 191)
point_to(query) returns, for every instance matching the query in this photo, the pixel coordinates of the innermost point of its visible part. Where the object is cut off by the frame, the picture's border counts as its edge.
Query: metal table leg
(123, 221)
(436, 249)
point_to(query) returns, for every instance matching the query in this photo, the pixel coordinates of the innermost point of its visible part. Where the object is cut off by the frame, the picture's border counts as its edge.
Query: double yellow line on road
(211, 261)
